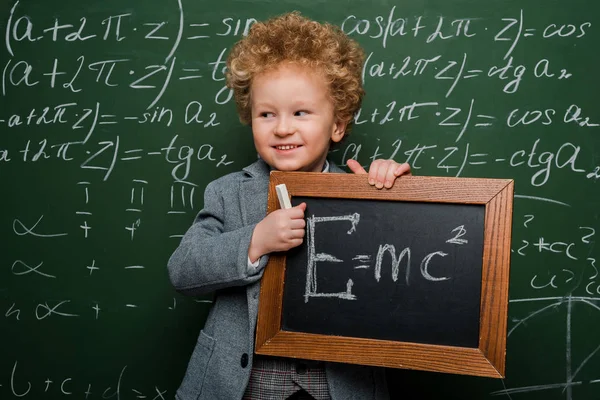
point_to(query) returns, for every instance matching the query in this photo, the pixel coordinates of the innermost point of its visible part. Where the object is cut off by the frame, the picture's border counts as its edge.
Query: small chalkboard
(413, 277)
(409, 272)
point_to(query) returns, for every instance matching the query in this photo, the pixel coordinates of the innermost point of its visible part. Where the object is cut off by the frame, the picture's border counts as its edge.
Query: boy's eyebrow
(294, 104)
(262, 104)
(261, 107)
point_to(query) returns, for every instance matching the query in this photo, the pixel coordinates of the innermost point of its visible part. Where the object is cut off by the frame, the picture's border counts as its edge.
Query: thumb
(355, 167)
(302, 206)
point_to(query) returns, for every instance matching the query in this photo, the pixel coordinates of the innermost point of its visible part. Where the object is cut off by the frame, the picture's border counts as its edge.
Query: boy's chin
(292, 167)
(286, 168)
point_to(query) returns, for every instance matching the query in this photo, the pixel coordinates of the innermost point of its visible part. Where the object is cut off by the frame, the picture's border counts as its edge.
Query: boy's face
(293, 118)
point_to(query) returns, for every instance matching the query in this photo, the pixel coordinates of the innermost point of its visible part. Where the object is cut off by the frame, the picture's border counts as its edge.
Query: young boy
(298, 84)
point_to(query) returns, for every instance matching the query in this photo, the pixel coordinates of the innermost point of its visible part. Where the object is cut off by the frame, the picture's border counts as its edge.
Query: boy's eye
(266, 114)
(300, 113)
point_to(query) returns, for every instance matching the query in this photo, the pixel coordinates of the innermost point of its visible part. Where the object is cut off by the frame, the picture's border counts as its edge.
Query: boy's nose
(284, 127)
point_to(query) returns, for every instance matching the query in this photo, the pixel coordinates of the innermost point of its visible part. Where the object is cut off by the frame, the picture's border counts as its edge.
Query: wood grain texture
(382, 353)
(495, 277)
(407, 188)
(488, 359)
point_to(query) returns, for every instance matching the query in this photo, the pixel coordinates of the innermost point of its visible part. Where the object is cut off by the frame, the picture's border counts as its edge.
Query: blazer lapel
(253, 193)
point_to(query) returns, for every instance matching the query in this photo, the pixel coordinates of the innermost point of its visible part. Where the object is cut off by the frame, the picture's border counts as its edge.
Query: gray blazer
(213, 257)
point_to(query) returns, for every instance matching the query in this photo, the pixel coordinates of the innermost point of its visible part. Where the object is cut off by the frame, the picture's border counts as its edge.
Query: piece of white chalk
(283, 196)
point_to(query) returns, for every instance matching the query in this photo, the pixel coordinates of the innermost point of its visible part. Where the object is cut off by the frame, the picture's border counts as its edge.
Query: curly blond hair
(296, 39)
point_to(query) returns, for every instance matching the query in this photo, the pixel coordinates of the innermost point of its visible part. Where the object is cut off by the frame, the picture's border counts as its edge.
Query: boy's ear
(339, 130)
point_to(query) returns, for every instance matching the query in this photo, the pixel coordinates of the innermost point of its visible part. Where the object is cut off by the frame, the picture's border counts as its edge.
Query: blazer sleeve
(210, 258)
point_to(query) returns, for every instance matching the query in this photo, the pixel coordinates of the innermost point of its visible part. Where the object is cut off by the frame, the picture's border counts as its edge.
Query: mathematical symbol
(462, 66)
(88, 391)
(108, 22)
(199, 36)
(529, 32)
(541, 244)
(100, 70)
(133, 227)
(477, 162)
(85, 228)
(132, 158)
(29, 269)
(464, 160)
(54, 73)
(594, 174)
(92, 267)
(457, 239)
(473, 73)
(190, 76)
(183, 196)
(29, 231)
(363, 259)
(139, 394)
(159, 395)
(141, 198)
(484, 117)
(52, 310)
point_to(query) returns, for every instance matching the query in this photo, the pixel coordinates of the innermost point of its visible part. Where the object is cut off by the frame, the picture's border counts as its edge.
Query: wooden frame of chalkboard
(486, 359)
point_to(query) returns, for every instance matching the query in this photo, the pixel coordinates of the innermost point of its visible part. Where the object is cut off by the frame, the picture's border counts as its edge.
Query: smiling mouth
(286, 147)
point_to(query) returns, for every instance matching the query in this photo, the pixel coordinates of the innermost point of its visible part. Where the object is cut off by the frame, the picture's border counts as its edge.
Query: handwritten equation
(363, 261)
(20, 385)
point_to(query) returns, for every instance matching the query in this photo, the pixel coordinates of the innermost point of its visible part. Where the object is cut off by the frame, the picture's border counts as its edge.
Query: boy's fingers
(355, 167)
(297, 224)
(403, 169)
(374, 170)
(390, 176)
(297, 211)
(298, 234)
(384, 171)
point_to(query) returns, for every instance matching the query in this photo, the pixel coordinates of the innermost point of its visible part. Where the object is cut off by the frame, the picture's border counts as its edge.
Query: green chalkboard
(114, 118)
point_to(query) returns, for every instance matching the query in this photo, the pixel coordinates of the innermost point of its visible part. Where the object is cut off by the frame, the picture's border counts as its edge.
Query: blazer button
(301, 368)
(244, 360)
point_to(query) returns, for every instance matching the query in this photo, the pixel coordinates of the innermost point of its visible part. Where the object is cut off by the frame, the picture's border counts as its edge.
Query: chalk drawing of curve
(571, 371)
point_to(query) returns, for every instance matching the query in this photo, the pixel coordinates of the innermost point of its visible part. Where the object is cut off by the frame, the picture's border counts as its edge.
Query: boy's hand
(382, 173)
(281, 230)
